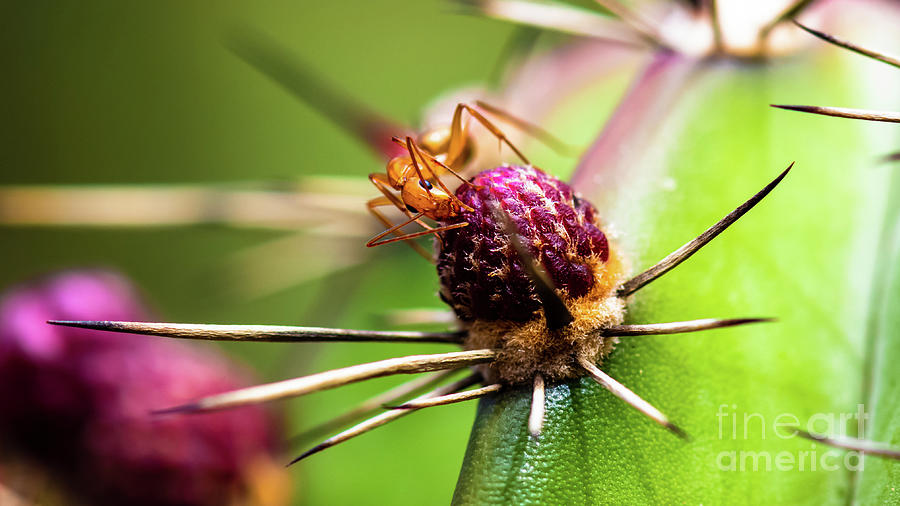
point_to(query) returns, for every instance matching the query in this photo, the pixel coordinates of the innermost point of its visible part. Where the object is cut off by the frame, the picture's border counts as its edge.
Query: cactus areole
(483, 277)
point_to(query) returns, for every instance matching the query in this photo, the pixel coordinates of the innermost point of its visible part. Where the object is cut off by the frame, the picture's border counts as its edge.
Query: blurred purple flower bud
(79, 401)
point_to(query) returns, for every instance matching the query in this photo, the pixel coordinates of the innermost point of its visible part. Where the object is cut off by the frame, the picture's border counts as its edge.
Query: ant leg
(425, 156)
(384, 201)
(393, 229)
(388, 200)
(458, 136)
(412, 146)
(437, 162)
(380, 181)
(375, 240)
(531, 129)
(494, 130)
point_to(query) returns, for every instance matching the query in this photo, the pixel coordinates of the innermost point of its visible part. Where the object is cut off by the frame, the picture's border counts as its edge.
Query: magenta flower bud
(483, 278)
(79, 402)
(481, 273)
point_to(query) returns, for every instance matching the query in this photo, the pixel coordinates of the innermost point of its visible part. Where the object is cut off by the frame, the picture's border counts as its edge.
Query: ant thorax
(436, 140)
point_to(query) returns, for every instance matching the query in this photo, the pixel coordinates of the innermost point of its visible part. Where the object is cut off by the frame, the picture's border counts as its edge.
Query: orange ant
(415, 174)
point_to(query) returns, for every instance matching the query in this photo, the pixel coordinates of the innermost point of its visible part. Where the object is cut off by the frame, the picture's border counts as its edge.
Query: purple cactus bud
(481, 273)
(79, 401)
(483, 278)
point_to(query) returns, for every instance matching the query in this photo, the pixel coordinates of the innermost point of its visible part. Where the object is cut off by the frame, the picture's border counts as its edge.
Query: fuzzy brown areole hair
(530, 347)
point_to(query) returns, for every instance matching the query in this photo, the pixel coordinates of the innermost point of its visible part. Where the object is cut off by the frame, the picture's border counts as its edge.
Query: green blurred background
(130, 92)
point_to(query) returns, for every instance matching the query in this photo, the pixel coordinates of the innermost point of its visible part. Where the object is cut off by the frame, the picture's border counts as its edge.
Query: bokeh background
(138, 93)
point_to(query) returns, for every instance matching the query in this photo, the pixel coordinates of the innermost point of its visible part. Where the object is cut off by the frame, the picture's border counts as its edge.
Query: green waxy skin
(806, 255)
(878, 481)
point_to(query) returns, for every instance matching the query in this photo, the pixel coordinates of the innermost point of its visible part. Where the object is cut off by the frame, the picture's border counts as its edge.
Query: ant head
(422, 195)
(401, 169)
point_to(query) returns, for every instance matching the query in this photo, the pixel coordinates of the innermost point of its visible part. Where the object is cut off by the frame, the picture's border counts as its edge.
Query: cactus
(691, 139)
